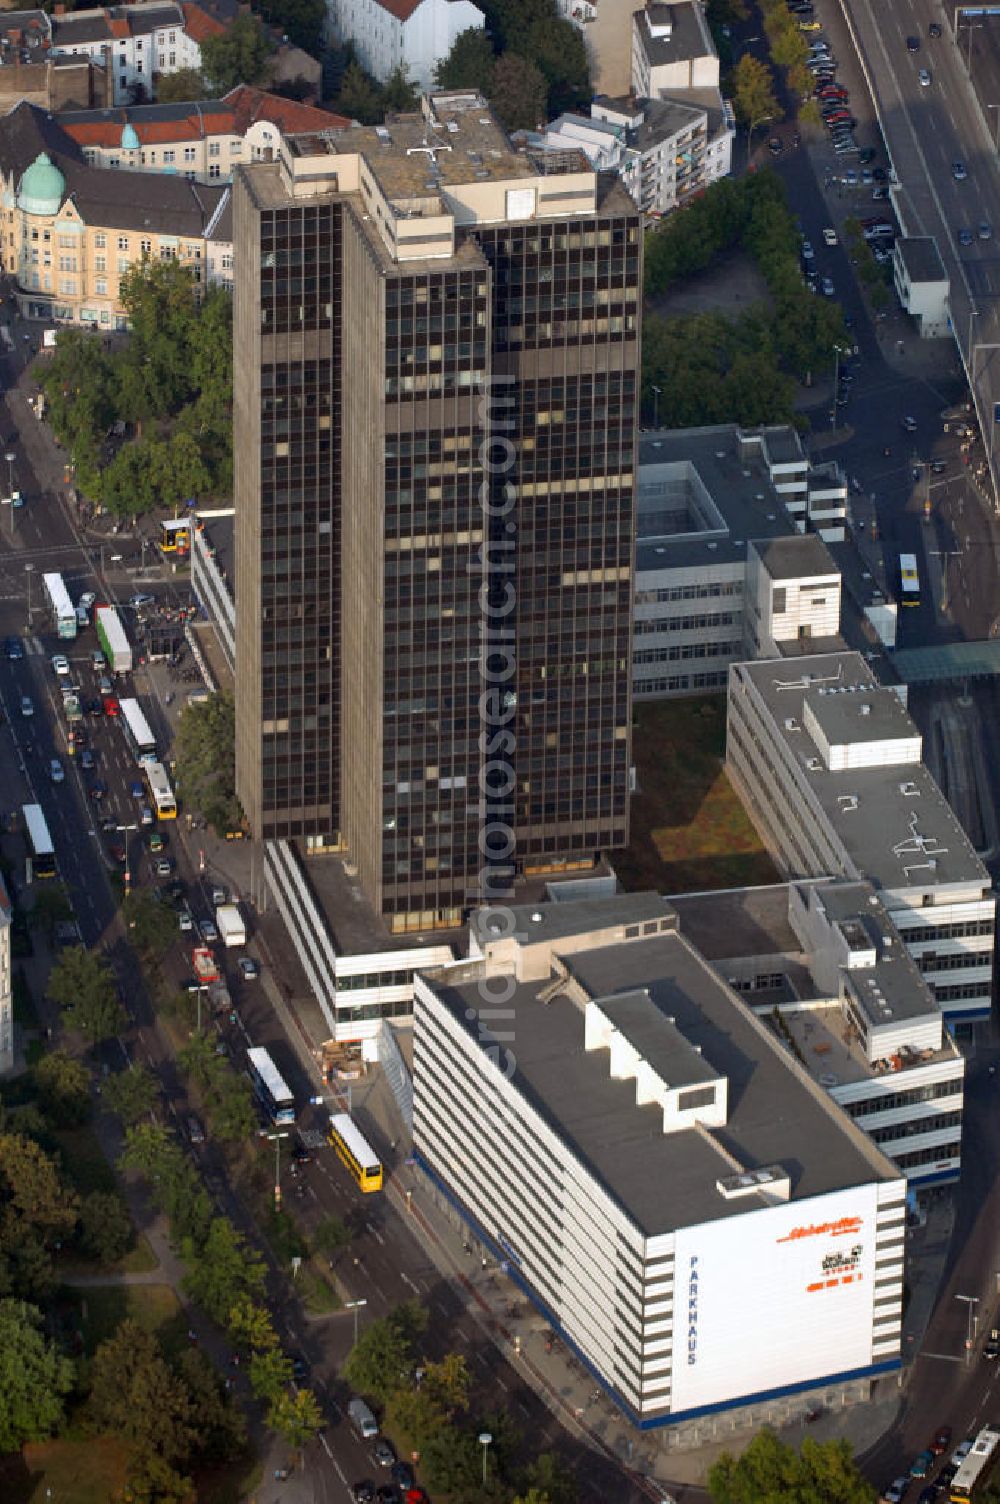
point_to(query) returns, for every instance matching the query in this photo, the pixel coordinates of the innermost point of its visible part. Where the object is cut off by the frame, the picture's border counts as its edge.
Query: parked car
(922, 1464)
(145, 815)
(207, 930)
(185, 922)
(363, 1492)
(110, 705)
(195, 1131)
(894, 1493)
(941, 1441)
(88, 600)
(382, 1453)
(164, 866)
(156, 843)
(14, 648)
(827, 288)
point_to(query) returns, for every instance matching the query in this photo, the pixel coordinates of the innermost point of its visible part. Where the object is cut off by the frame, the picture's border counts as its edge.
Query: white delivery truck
(229, 922)
(111, 636)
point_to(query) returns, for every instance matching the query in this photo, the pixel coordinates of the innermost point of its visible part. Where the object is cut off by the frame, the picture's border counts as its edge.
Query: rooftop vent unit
(847, 802)
(813, 764)
(866, 710)
(909, 790)
(791, 724)
(770, 1178)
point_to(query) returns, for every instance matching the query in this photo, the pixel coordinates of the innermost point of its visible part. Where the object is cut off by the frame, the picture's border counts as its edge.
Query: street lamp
(761, 120)
(657, 393)
(485, 1439)
(355, 1306)
(275, 1139)
(28, 571)
(125, 830)
(971, 1301)
(838, 351)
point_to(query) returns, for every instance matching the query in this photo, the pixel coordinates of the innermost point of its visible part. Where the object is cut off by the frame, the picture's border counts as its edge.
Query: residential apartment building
(137, 42)
(667, 1184)
(70, 231)
(371, 557)
(724, 570)
(823, 965)
(31, 72)
(828, 764)
(660, 148)
(203, 141)
(414, 35)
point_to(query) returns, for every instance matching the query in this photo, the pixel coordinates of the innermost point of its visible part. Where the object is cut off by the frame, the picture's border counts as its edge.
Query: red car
(111, 705)
(941, 1442)
(416, 1496)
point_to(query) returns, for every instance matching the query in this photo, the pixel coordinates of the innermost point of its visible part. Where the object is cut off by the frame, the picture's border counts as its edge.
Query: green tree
(63, 1084)
(399, 94)
(38, 1213)
(296, 1418)
(151, 924)
(534, 1496)
(176, 1188)
(383, 1358)
(34, 1378)
(270, 1373)
(83, 985)
(452, 1461)
(359, 97)
(135, 1395)
(153, 1480)
(304, 22)
(51, 907)
(519, 94)
(754, 99)
(179, 87)
(331, 1236)
(205, 751)
(551, 1478)
(469, 64)
(106, 1231)
(238, 56)
(221, 1432)
(447, 1383)
(251, 1325)
(131, 1093)
(223, 1270)
(415, 1414)
(557, 48)
(822, 1473)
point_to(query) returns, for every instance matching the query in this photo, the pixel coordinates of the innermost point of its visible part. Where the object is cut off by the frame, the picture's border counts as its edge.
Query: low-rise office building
(686, 1206)
(822, 963)
(723, 571)
(70, 231)
(922, 284)
(828, 764)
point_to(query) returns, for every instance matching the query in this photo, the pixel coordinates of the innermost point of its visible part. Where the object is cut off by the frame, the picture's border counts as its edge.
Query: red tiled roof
(199, 25)
(107, 132)
(401, 9)
(249, 105)
(119, 28)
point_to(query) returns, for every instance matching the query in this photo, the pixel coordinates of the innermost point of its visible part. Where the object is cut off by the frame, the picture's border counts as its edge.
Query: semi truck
(229, 922)
(111, 636)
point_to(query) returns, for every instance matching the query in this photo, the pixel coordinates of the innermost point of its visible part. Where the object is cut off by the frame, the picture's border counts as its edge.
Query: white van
(362, 1419)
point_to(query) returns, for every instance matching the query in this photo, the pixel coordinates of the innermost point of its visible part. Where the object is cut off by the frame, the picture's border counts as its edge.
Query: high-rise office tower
(437, 349)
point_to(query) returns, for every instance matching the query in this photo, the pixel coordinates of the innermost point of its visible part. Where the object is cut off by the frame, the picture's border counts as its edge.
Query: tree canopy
(237, 55)
(769, 1472)
(385, 1355)
(754, 99)
(34, 1377)
(63, 1084)
(469, 64)
(38, 1213)
(205, 751)
(83, 985)
(519, 92)
(180, 87)
(172, 381)
(131, 1093)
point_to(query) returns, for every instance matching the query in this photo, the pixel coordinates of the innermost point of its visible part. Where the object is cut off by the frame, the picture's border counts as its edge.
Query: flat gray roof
(554, 921)
(665, 1181)
(922, 259)
(737, 921)
(738, 489)
(800, 556)
(688, 38)
(894, 823)
(860, 711)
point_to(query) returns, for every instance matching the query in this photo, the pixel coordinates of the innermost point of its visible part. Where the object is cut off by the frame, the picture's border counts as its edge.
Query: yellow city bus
(354, 1152)
(175, 535)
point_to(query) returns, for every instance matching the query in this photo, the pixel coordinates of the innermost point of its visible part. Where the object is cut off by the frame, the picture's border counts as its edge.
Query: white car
(60, 664)
(87, 599)
(184, 921)
(895, 1491)
(56, 771)
(27, 705)
(925, 78)
(830, 237)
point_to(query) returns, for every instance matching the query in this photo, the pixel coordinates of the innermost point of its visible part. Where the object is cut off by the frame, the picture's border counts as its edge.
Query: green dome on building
(42, 187)
(130, 138)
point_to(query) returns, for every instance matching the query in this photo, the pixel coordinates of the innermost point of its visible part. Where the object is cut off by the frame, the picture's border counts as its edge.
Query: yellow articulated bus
(354, 1152)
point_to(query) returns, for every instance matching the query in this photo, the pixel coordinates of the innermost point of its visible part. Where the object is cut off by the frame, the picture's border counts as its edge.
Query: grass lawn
(689, 830)
(84, 1472)
(97, 1311)
(139, 1260)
